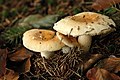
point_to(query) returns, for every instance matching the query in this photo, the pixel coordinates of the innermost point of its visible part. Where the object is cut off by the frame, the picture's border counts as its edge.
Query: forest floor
(102, 62)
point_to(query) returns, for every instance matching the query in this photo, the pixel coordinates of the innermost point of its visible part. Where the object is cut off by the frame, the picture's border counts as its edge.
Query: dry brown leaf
(20, 54)
(10, 75)
(101, 74)
(3, 56)
(102, 4)
(27, 65)
(94, 58)
(1, 40)
(24, 67)
(111, 64)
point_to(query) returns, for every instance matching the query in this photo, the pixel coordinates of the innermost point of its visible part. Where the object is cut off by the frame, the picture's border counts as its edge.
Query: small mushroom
(44, 41)
(84, 25)
(70, 41)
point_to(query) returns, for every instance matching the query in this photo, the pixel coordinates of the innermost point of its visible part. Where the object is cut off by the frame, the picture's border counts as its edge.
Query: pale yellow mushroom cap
(39, 40)
(89, 23)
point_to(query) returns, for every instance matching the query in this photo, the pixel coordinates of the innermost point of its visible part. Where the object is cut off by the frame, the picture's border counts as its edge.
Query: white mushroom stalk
(47, 54)
(85, 42)
(44, 41)
(65, 49)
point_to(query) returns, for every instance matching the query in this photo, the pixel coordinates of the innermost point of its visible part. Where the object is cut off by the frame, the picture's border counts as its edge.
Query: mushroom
(84, 25)
(44, 41)
(69, 41)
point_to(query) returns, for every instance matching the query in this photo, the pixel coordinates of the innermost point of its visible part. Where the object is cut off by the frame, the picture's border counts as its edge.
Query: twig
(76, 73)
(38, 75)
(92, 61)
(46, 67)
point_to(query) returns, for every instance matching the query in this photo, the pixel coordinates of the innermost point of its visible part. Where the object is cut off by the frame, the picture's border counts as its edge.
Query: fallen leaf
(46, 22)
(3, 56)
(27, 65)
(20, 54)
(2, 42)
(94, 58)
(110, 64)
(101, 74)
(30, 19)
(37, 22)
(102, 4)
(20, 66)
(24, 67)
(10, 75)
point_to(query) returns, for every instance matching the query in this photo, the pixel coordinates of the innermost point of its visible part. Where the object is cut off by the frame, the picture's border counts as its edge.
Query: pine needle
(13, 35)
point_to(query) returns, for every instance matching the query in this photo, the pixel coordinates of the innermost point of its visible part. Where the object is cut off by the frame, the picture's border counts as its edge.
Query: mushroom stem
(65, 49)
(47, 54)
(85, 42)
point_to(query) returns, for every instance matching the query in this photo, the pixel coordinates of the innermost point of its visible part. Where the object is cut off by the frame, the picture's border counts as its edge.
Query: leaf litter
(73, 65)
(3, 56)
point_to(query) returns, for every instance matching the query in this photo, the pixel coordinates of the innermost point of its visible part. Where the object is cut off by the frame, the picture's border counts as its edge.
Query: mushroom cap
(89, 23)
(68, 40)
(39, 40)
